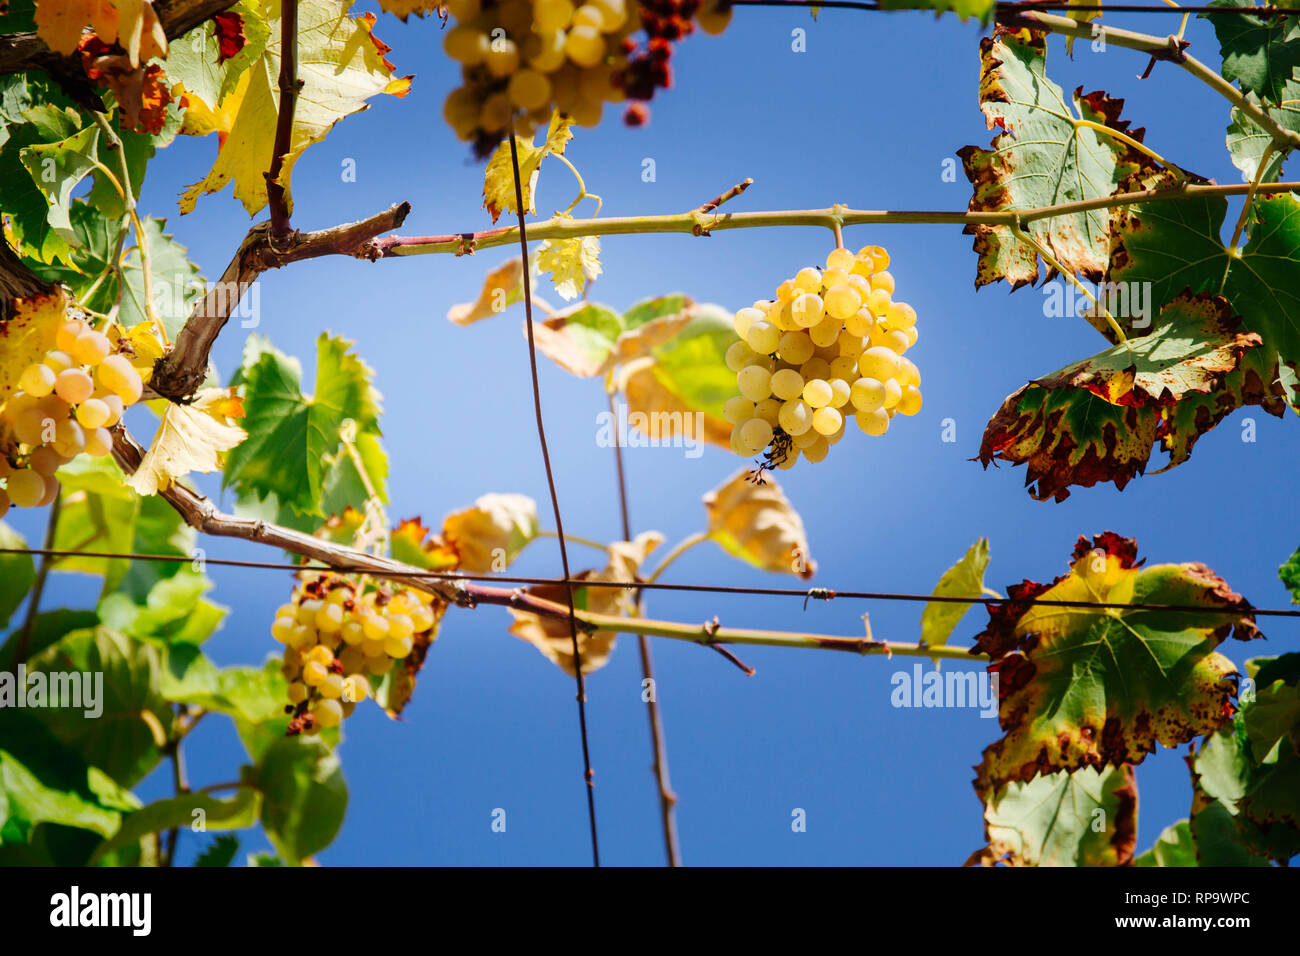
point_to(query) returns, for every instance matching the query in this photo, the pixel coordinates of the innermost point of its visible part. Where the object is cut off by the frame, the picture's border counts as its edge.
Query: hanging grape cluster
(65, 405)
(536, 56)
(340, 632)
(830, 345)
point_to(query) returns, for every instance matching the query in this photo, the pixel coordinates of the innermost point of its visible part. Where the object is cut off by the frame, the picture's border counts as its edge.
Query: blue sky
(866, 117)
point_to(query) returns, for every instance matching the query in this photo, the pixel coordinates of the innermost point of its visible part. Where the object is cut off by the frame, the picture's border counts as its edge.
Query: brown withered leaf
(1100, 687)
(502, 287)
(552, 636)
(488, 535)
(756, 523)
(1041, 157)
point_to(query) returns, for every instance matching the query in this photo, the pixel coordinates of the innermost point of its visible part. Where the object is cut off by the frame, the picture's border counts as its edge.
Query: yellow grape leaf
(572, 263)
(133, 24)
(489, 535)
(201, 118)
(499, 179)
(340, 65)
(28, 335)
(502, 287)
(552, 636)
(662, 412)
(190, 438)
(404, 8)
(756, 523)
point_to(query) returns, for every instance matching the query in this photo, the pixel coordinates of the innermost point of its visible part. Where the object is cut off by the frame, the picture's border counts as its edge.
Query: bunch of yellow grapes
(830, 345)
(64, 406)
(336, 631)
(574, 56)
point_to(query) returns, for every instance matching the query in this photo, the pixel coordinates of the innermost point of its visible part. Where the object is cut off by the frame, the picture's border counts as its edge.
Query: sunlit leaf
(756, 523)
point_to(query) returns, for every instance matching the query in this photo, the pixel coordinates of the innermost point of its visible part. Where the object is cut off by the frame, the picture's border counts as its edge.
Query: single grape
(69, 438)
(549, 15)
(910, 403)
(908, 373)
(896, 341)
(883, 281)
(901, 316)
(355, 688)
(817, 393)
(787, 384)
(328, 713)
(739, 355)
(329, 619)
(375, 626)
(763, 337)
(298, 692)
(314, 673)
(874, 423)
(544, 51)
(879, 363)
(90, 347)
(529, 89)
(26, 487)
(795, 347)
(818, 450)
(795, 417)
(860, 322)
(815, 367)
(73, 386)
(879, 302)
(58, 360)
(807, 310)
(826, 333)
(306, 613)
(744, 319)
(769, 409)
(331, 688)
(118, 376)
(585, 46)
(99, 442)
(67, 334)
(756, 433)
(399, 647)
(879, 257)
(911, 336)
(93, 412)
(840, 259)
(867, 394)
(37, 380)
(613, 14)
(808, 279)
(281, 628)
(754, 382)
(502, 57)
(827, 420)
(115, 407)
(893, 393)
(738, 409)
(45, 461)
(321, 655)
(840, 392)
(466, 45)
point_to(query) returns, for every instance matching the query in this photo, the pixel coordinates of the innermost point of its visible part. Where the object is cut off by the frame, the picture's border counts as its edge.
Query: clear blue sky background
(865, 117)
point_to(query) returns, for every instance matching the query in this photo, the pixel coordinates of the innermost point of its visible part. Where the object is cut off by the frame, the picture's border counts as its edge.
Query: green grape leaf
(198, 63)
(177, 285)
(1086, 687)
(1097, 419)
(1176, 246)
(1290, 575)
(22, 200)
(26, 801)
(185, 810)
(295, 439)
(1174, 847)
(91, 277)
(592, 339)
(304, 796)
(252, 694)
(1259, 53)
(1248, 141)
(1042, 157)
(138, 149)
(17, 573)
(174, 612)
(1085, 818)
(963, 579)
(120, 740)
(219, 853)
(58, 169)
(965, 9)
(48, 627)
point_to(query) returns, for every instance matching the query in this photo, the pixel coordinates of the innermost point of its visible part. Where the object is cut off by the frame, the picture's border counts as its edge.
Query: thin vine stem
(1245, 211)
(678, 550)
(689, 222)
(1029, 240)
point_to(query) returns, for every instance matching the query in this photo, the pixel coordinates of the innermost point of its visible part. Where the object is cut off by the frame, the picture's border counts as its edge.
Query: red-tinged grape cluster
(65, 405)
(340, 632)
(532, 57)
(830, 345)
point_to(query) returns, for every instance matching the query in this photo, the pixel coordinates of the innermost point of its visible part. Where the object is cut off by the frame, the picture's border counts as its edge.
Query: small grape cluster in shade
(536, 56)
(340, 632)
(64, 406)
(830, 345)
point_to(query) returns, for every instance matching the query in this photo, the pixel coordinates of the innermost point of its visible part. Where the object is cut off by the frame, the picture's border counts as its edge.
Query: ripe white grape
(768, 410)
(118, 376)
(879, 363)
(825, 333)
(874, 423)
(585, 46)
(67, 334)
(844, 367)
(815, 367)
(817, 393)
(818, 450)
(37, 380)
(911, 336)
(739, 355)
(879, 257)
(466, 45)
(331, 688)
(763, 337)
(90, 347)
(893, 393)
(840, 392)
(69, 438)
(860, 322)
(840, 259)
(900, 316)
(795, 417)
(528, 89)
(795, 347)
(756, 433)
(883, 281)
(502, 57)
(73, 386)
(26, 487)
(755, 382)
(896, 341)
(910, 403)
(744, 319)
(58, 360)
(827, 420)
(92, 413)
(808, 279)
(842, 301)
(787, 384)
(738, 409)
(399, 647)
(550, 15)
(328, 713)
(867, 394)
(99, 442)
(807, 310)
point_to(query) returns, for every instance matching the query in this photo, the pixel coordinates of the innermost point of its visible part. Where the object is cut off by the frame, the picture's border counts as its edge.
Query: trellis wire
(804, 593)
